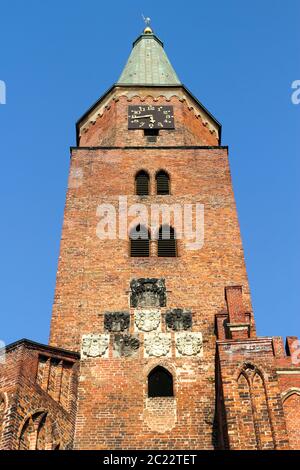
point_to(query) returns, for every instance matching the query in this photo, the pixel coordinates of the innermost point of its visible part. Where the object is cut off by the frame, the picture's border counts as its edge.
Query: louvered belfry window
(142, 183)
(162, 183)
(166, 242)
(139, 242)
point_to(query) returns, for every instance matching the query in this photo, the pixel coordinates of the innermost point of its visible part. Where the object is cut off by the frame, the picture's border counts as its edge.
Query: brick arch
(160, 363)
(245, 414)
(291, 391)
(133, 224)
(291, 407)
(57, 443)
(166, 389)
(36, 431)
(261, 412)
(245, 367)
(255, 413)
(3, 405)
(3, 409)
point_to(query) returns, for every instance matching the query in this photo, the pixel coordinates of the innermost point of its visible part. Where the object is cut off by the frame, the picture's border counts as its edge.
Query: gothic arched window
(139, 242)
(162, 183)
(142, 183)
(160, 383)
(166, 242)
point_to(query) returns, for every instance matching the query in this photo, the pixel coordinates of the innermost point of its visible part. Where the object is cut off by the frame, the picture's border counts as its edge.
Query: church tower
(153, 342)
(143, 311)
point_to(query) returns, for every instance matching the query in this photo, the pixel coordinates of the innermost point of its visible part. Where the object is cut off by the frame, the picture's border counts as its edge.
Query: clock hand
(140, 117)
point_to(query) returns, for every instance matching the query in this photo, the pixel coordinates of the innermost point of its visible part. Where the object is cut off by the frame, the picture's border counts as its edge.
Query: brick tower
(153, 342)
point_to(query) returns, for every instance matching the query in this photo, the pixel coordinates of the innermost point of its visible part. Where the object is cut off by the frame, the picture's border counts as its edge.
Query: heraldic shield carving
(147, 320)
(148, 292)
(189, 344)
(157, 344)
(126, 345)
(94, 345)
(178, 319)
(116, 321)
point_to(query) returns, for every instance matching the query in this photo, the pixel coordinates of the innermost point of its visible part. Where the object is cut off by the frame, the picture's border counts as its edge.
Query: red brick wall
(94, 276)
(253, 409)
(291, 407)
(25, 397)
(256, 403)
(110, 128)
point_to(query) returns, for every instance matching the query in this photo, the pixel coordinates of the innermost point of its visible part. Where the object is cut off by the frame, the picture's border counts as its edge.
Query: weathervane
(147, 20)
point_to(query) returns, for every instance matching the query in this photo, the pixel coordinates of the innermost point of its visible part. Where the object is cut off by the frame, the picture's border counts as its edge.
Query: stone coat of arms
(147, 320)
(189, 344)
(157, 344)
(94, 345)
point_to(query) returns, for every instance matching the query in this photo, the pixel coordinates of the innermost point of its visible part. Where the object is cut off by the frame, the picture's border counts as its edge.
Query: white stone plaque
(94, 345)
(189, 344)
(157, 345)
(147, 319)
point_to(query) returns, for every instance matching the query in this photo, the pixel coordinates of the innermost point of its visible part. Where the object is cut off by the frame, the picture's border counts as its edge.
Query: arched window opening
(160, 383)
(139, 242)
(166, 242)
(142, 183)
(162, 183)
(36, 432)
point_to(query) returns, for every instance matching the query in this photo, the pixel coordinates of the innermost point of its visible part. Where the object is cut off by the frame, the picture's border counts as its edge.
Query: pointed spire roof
(148, 63)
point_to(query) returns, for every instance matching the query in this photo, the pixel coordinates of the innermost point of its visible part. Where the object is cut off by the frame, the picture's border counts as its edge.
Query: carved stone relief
(148, 292)
(116, 321)
(157, 344)
(126, 345)
(178, 319)
(147, 320)
(189, 344)
(94, 345)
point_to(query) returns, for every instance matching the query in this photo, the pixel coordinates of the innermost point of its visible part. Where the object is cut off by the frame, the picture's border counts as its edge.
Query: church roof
(148, 63)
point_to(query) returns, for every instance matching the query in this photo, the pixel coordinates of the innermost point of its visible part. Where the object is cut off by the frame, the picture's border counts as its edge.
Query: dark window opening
(160, 383)
(139, 242)
(162, 183)
(151, 132)
(166, 242)
(142, 183)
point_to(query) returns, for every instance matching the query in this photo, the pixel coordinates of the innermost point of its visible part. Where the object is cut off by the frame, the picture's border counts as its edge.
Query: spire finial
(147, 21)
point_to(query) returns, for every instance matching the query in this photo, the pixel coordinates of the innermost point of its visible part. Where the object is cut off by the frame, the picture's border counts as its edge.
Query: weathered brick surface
(251, 393)
(94, 276)
(236, 391)
(89, 282)
(291, 407)
(25, 397)
(109, 126)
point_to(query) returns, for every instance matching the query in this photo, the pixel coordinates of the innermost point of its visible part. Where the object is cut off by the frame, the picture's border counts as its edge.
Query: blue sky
(239, 59)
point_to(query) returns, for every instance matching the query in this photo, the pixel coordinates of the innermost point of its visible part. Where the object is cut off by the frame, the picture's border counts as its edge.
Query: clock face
(150, 117)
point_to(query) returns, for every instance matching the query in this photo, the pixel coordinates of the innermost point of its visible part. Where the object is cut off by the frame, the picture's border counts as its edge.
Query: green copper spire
(148, 63)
